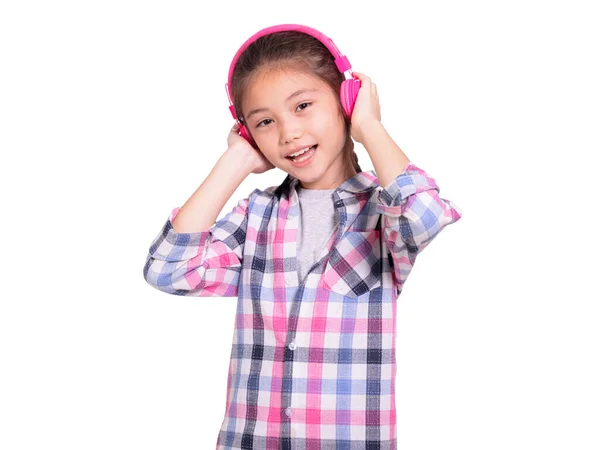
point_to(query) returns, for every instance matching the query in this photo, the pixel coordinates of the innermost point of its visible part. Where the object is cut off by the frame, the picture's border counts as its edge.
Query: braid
(355, 159)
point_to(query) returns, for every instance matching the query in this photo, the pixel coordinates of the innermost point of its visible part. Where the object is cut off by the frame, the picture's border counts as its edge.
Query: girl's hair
(294, 51)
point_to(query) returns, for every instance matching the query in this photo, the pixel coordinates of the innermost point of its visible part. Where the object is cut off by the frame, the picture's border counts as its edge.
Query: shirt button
(288, 279)
(288, 412)
(292, 345)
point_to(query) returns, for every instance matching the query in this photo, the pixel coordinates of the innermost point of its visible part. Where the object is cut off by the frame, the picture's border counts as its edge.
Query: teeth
(300, 152)
(304, 158)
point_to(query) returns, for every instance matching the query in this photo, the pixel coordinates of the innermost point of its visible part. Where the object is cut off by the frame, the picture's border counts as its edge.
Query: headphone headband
(341, 61)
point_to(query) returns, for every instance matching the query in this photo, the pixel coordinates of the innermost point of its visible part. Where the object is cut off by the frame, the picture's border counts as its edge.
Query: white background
(112, 113)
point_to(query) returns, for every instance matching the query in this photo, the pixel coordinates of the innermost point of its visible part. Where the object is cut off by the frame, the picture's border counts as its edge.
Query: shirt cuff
(392, 198)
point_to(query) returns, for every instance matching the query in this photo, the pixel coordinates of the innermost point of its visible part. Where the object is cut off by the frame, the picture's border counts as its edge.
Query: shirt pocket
(354, 265)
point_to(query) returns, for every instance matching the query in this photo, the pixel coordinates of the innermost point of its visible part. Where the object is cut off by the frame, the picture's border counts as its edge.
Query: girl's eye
(259, 123)
(262, 121)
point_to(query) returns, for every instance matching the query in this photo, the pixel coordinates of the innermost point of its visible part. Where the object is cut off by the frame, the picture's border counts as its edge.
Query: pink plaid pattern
(312, 361)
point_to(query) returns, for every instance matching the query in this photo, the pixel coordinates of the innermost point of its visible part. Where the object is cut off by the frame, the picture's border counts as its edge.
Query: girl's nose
(290, 131)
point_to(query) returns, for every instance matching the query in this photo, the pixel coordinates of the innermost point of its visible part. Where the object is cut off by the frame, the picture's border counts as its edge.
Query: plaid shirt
(313, 361)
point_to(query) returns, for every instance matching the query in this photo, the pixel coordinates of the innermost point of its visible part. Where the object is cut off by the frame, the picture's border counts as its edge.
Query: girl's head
(267, 73)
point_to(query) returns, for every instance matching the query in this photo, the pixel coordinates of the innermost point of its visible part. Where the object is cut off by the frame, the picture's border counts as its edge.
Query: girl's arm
(413, 211)
(195, 256)
(201, 210)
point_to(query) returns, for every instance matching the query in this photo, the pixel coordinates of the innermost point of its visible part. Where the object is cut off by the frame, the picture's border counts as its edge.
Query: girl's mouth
(305, 158)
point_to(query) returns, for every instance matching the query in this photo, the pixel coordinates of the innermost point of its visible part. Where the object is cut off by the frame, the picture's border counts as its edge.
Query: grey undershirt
(318, 222)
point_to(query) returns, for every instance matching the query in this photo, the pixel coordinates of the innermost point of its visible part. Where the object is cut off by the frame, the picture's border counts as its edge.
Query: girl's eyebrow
(295, 94)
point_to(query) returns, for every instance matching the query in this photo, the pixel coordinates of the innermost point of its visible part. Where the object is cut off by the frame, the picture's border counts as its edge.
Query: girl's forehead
(290, 79)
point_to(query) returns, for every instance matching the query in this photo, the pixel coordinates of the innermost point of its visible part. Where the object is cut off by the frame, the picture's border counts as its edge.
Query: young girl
(318, 262)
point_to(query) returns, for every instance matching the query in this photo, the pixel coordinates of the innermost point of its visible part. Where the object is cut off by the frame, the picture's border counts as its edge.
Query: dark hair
(291, 50)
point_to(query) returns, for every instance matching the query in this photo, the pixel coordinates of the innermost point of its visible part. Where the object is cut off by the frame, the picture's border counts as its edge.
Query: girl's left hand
(366, 109)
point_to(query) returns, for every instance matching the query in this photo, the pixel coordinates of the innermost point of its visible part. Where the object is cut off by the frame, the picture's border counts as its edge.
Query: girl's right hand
(247, 153)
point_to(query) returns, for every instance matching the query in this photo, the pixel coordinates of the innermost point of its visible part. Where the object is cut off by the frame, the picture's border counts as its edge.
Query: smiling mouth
(304, 156)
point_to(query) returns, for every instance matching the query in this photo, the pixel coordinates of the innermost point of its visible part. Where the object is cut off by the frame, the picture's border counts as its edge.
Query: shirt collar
(361, 182)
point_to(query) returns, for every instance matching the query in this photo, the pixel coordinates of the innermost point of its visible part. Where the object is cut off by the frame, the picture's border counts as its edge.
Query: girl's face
(282, 121)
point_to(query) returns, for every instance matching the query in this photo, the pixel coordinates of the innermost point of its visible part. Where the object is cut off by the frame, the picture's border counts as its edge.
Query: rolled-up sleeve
(203, 264)
(413, 215)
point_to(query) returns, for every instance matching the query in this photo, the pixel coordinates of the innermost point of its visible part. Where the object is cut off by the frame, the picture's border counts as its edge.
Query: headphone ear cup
(348, 93)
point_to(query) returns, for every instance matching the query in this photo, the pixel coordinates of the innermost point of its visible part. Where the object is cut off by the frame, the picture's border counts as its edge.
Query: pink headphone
(348, 90)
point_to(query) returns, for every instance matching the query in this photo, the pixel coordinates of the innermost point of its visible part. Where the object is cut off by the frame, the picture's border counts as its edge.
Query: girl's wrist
(236, 157)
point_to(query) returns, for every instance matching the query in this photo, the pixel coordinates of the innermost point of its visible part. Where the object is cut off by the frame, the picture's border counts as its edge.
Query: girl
(317, 263)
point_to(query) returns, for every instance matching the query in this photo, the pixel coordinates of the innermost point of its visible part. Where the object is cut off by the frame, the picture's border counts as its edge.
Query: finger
(361, 76)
